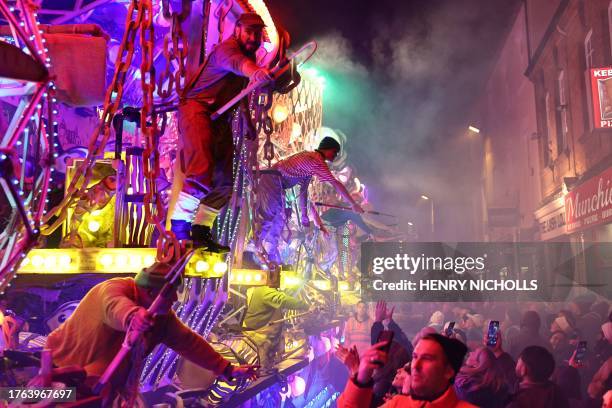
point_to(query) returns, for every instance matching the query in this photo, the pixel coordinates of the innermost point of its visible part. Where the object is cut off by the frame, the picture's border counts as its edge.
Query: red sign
(601, 89)
(590, 203)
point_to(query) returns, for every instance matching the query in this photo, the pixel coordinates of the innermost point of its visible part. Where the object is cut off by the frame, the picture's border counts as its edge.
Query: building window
(562, 127)
(546, 142)
(588, 63)
(588, 50)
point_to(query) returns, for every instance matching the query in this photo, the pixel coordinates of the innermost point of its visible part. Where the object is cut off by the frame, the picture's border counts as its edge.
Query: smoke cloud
(404, 97)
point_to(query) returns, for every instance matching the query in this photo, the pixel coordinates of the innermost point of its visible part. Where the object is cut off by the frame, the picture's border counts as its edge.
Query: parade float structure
(89, 140)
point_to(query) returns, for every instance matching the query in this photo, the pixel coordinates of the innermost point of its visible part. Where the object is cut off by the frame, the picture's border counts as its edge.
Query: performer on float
(207, 145)
(91, 337)
(262, 320)
(294, 170)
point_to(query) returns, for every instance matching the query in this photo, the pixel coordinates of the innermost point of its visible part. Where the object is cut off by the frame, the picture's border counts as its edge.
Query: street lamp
(426, 198)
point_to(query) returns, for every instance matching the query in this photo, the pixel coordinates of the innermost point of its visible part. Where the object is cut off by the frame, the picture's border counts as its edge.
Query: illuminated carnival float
(88, 95)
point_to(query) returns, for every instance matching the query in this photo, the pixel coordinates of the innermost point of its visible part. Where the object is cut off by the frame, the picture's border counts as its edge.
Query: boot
(202, 238)
(181, 229)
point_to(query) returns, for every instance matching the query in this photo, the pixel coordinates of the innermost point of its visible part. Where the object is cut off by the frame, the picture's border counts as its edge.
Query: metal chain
(221, 12)
(101, 134)
(178, 52)
(263, 122)
(155, 214)
(154, 211)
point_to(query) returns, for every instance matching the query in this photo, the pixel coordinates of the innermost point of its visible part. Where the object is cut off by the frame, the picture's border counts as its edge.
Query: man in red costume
(207, 145)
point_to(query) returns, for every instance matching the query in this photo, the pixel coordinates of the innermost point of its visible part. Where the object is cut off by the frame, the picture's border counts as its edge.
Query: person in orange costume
(91, 337)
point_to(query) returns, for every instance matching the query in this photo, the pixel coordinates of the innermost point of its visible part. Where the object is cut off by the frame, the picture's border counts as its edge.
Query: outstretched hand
(382, 313)
(348, 357)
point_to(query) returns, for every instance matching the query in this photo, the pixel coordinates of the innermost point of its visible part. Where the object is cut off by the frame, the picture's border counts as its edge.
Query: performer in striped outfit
(294, 170)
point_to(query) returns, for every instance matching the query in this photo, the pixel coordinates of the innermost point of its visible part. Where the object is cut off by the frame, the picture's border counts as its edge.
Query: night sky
(402, 79)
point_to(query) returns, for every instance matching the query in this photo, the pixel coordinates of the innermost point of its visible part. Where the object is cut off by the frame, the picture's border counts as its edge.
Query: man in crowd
(436, 360)
(91, 337)
(357, 328)
(294, 170)
(534, 368)
(207, 145)
(529, 334)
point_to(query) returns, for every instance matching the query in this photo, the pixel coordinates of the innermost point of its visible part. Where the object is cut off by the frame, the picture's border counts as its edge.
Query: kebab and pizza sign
(601, 85)
(590, 203)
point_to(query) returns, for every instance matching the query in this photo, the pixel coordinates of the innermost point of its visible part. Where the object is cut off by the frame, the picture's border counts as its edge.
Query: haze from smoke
(405, 111)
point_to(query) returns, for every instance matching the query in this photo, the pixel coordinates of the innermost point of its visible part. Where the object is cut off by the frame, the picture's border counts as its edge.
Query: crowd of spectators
(536, 358)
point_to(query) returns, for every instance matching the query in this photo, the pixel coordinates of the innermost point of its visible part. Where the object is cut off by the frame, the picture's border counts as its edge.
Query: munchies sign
(590, 203)
(601, 89)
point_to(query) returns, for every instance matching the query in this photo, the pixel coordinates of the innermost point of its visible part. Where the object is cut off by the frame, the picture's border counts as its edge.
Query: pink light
(298, 386)
(326, 344)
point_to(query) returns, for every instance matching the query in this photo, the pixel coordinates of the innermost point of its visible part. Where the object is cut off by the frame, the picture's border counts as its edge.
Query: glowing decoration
(473, 129)
(202, 266)
(298, 386)
(148, 260)
(135, 261)
(93, 226)
(121, 261)
(260, 8)
(290, 281)
(37, 261)
(296, 131)
(220, 267)
(64, 261)
(106, 260)
(50, 262)
(322, 284)
(343, 286)
(248, 277)
(280, 113)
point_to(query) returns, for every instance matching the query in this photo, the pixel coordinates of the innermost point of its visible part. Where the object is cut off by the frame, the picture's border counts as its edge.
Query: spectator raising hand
(382, 313)
(349, 357)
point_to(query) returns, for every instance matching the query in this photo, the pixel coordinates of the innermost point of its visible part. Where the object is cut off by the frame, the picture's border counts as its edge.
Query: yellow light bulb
(220, 267)
(201, 266)
(93, 226)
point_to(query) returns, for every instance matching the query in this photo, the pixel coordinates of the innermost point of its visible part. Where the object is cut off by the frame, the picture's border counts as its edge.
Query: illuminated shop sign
(590, 203)
(601, 85)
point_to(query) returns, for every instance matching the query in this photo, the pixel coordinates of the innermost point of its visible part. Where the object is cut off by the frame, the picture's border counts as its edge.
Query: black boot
(181, 229)
(202, 238)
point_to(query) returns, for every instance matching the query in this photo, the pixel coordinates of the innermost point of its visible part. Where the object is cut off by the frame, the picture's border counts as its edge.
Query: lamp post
(426, 198)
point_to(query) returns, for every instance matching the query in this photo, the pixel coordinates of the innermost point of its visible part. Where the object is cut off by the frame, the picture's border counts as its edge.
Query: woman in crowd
(481, 381)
